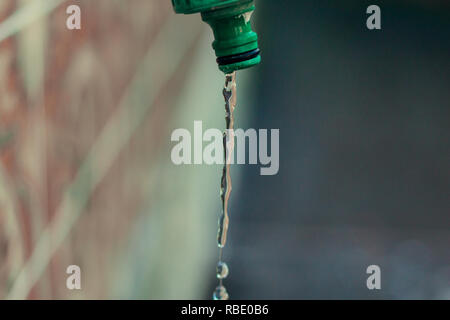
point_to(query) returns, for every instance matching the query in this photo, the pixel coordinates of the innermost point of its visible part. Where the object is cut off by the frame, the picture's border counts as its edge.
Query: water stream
(229, 94)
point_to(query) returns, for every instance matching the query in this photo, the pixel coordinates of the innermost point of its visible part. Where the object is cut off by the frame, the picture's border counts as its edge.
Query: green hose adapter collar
(235, 44)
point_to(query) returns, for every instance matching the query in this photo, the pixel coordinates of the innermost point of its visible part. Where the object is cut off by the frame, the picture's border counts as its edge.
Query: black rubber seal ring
(235, 58)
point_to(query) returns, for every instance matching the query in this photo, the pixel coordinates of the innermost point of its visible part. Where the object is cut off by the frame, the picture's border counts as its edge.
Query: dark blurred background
(364, 119)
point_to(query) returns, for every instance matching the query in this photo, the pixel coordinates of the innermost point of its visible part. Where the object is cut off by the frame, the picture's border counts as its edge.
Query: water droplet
(220, 293)
(222, 270)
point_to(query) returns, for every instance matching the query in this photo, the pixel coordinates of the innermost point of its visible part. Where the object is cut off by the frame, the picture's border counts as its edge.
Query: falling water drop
(220, 293)
(222, 270)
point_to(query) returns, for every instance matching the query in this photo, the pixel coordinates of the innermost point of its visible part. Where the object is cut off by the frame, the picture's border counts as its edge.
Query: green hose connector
(235, 44)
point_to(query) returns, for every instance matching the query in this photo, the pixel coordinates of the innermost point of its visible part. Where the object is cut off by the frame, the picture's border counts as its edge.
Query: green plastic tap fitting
(235, 44)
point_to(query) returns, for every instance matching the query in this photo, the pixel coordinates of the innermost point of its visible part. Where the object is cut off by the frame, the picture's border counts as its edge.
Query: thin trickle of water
(229, 94)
